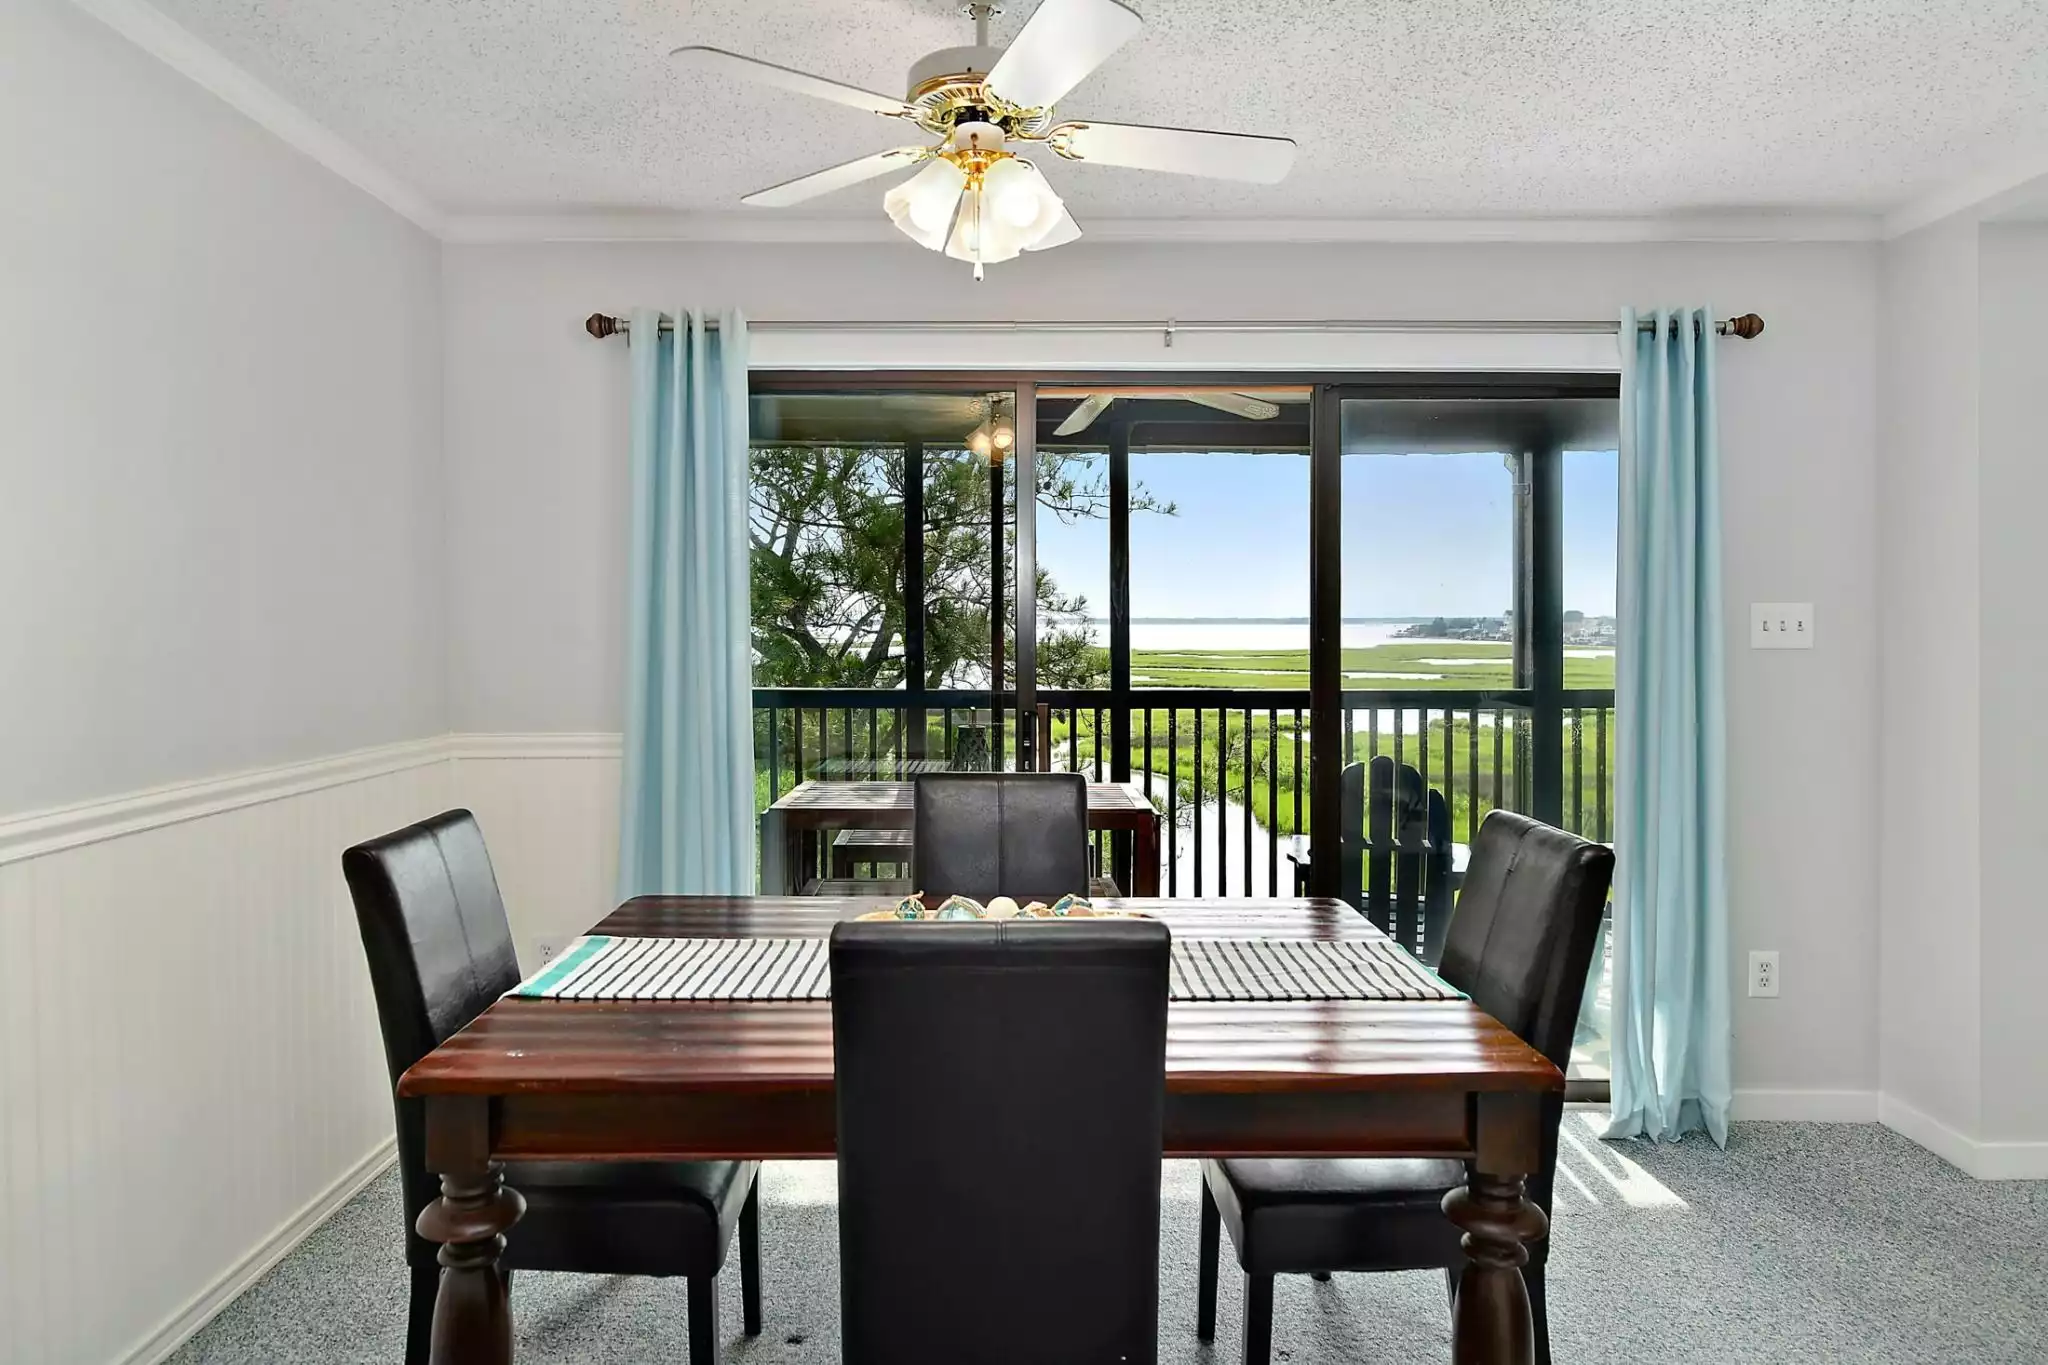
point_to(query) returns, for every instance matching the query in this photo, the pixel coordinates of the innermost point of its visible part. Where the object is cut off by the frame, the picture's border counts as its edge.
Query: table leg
(473, 1311)
(1145, 880)
(1490, 1319)
(775, 861)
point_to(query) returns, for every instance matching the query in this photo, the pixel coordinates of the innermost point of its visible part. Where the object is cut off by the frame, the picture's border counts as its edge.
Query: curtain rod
(602, 325)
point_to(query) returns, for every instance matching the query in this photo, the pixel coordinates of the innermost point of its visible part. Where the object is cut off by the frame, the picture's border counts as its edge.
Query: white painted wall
(1930, 887)
(536, 451)
(220, 550)
(2013, 488)
(220, 420)
(1965, 643)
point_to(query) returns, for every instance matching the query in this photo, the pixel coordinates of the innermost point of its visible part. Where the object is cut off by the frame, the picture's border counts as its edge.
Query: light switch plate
(1781, 625)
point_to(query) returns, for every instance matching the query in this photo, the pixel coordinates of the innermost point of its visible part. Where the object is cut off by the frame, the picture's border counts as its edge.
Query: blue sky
(1424, 535)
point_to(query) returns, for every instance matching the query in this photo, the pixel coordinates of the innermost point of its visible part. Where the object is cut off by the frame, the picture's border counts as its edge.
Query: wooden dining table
(792, 823)
(543, 1079)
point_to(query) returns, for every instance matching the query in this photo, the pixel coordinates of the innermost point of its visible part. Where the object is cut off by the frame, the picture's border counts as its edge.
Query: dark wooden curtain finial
(602, 325)
(1746, 326)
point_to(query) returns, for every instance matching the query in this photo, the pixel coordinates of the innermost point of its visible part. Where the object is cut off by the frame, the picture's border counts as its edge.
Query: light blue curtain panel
(1671, 974)
(687, 805)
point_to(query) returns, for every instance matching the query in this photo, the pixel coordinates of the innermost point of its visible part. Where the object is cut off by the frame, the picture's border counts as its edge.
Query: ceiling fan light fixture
(923, 207)
(1007, 208)
(977, 200)
(1063, 230)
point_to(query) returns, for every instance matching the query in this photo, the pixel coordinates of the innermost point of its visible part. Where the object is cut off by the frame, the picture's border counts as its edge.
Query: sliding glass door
(883, 526)
(1475, 562)
(1324, 626)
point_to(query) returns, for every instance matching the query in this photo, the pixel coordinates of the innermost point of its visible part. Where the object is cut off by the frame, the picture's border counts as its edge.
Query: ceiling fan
(1238, 404)
(976, 199)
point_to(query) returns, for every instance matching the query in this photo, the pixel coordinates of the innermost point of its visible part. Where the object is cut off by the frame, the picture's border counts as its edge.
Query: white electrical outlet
(548, 947)
(1781, 625)
(1763, 974)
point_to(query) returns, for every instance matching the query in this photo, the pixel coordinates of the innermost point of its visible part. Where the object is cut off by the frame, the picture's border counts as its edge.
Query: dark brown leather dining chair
(966, 1058)
(1022, 835)
(1519, 943)
(440, 951)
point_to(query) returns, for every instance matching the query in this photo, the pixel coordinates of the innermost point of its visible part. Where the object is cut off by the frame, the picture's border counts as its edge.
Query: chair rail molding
(187, 1027)
(36, 834)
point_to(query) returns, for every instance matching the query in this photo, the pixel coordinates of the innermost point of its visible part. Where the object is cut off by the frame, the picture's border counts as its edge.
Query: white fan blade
(1183, 151)
(782, 78)
(1258, 409)
(1058, 46)
(834, 178)
(1085, 412)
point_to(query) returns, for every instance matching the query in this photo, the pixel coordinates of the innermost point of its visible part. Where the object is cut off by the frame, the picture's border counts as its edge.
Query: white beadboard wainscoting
(549, 808)
(191, 1076)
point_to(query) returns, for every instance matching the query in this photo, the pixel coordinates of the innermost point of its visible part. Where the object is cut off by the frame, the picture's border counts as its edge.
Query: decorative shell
(959, 908)
(910, 907)
(962, 909)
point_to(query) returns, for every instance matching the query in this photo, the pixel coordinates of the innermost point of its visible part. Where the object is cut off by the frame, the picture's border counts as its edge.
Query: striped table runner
(1302, 969)
(604, 967)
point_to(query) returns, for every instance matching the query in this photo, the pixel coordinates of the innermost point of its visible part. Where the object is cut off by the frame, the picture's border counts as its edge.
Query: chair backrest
(1521, 940)
(440, 951)
(1001, 1090)
(1396, 853)
(1023, 835)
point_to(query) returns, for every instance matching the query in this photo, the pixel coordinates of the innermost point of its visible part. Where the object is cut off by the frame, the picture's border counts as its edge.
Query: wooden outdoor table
(674, 1080)
(788, 826)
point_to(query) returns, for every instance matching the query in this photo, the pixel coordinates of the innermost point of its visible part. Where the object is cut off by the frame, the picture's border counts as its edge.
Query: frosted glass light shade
(922, 206)
(1063, 230)
(1013, 210)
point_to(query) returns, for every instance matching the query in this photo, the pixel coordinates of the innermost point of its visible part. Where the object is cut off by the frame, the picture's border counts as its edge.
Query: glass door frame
(1539, 553)
(1539, 566)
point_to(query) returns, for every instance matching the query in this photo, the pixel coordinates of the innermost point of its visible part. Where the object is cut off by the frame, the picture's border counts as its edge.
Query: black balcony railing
(1227, 768)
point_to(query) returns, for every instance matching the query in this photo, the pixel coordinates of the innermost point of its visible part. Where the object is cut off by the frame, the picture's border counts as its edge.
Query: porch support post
(1325, 640)
(1546, 634)
(1024, 450)
(914, 719)
(1120, 631)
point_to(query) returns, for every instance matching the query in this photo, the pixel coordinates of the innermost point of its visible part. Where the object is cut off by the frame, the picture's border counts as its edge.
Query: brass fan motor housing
(950, 86)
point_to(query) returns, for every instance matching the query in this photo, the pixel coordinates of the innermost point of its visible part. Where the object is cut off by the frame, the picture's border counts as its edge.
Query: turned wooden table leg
(1145, 876)
(1490, 1320)
(473, 1311)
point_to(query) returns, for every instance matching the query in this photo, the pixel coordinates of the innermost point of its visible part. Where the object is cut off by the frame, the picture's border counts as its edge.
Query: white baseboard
(181, 1326)
(2012, 1161)
(1984, 1160)
(1930, 1132)
(1805, 1106)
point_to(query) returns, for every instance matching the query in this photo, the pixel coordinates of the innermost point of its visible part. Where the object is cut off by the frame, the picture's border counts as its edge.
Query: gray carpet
(1801, 1242)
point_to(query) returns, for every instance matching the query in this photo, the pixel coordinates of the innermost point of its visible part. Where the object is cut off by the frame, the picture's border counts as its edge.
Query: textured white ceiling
(1404, 108)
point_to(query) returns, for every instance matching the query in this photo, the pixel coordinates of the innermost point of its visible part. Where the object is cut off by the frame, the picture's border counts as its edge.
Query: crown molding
(761, 228)
(184, 52)
(1984, 194)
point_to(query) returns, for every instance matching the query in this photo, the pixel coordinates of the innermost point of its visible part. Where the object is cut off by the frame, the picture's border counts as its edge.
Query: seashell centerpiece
(964, 909)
